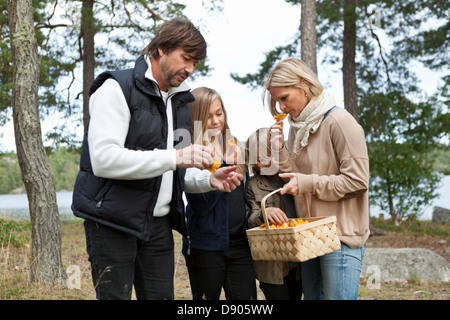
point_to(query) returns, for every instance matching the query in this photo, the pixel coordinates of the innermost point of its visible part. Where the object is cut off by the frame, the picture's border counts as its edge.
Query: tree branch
(53, 26)
(374, 35)
(152, 12)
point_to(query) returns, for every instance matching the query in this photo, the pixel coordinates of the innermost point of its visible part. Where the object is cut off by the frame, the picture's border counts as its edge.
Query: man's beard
(173, 80)
(171, 76)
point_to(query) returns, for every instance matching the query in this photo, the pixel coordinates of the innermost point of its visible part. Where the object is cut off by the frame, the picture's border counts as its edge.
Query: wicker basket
(297, 244)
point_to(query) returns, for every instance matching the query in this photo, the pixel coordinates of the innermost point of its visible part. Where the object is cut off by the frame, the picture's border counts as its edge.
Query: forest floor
(15, 256)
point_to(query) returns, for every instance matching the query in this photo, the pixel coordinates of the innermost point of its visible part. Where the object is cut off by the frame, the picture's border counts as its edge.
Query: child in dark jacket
(217, 252)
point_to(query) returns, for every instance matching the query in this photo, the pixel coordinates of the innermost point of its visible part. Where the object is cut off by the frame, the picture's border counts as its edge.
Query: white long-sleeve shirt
(108, 129)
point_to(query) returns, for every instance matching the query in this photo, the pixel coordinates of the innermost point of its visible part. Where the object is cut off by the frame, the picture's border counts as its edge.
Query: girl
(278, 280)
(217, 251)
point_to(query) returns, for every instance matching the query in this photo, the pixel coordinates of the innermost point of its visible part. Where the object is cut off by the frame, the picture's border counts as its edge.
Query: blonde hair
(289, 73)
(204, 97)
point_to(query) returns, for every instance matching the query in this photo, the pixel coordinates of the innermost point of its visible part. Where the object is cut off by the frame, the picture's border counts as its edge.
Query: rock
(402, 264)
(441, 215)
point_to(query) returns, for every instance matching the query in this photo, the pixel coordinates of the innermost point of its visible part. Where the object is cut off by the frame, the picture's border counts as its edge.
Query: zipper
(102, 193)
(99, 204)
(189, 245)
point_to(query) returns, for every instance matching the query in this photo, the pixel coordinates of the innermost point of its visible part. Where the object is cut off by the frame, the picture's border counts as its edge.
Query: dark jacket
(207, 218)
(127, 205)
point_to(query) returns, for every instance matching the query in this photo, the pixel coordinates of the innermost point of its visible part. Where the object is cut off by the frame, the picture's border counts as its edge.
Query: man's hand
(195, 156)
(292, 186)
(226, 179)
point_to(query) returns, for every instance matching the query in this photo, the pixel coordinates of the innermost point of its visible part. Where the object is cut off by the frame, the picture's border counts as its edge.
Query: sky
(237, 38)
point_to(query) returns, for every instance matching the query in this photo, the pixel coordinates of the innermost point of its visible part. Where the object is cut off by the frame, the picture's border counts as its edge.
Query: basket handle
(263, 206)
(305, 201)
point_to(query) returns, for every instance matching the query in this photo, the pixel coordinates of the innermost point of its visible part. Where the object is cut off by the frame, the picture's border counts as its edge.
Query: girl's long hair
(200, 110)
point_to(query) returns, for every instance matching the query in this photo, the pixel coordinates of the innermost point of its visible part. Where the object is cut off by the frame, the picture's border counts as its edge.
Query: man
(132, 171)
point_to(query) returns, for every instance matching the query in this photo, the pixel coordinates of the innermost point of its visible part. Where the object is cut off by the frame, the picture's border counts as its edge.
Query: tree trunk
(308, 34)
(395, 217)
(349, 64)
(46, 265)
(87, 33)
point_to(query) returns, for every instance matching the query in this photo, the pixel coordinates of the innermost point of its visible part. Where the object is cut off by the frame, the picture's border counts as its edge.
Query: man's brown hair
(174, 34)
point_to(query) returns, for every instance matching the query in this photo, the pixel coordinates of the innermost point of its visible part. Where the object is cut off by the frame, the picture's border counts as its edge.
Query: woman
(328, 147)
(278, 280)
(217, 251)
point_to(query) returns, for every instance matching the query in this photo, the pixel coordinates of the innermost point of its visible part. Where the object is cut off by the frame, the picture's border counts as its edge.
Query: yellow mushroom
(280, 116)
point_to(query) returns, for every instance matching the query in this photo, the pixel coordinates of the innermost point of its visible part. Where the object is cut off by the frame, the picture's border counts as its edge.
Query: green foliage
(10, 175)
(401, 136)
(15, 233)
(413, 226)
(122, 30)
(64, 164)
(441, 155)
(52, 67)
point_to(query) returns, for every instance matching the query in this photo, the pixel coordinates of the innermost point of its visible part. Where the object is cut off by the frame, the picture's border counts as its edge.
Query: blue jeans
(334, 276)
(120, 261)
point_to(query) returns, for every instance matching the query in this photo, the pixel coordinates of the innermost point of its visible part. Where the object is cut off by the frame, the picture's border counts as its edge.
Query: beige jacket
(333, 170)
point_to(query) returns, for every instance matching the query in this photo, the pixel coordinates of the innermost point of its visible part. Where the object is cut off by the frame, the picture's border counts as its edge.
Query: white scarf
(309, 120)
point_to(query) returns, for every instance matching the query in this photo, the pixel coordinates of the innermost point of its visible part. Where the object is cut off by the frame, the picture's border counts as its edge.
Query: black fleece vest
(127, 205)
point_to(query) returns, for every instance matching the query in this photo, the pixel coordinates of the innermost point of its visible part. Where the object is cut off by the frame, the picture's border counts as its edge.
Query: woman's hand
(277, 135)
(276, 215)
(292, 186)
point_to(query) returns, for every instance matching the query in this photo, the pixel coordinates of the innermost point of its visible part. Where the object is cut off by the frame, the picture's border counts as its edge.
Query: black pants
(291, 289)
(232, 270)
(119, 261)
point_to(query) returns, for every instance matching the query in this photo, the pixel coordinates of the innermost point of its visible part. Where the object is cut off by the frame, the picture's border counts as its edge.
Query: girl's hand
(226, 179)
(276, 215)
(292, 186)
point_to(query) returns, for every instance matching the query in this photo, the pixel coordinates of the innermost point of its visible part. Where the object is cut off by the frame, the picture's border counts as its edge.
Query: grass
(413, 227)
(15, 254)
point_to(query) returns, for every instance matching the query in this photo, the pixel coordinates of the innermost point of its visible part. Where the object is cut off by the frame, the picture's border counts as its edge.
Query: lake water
(15, 206)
